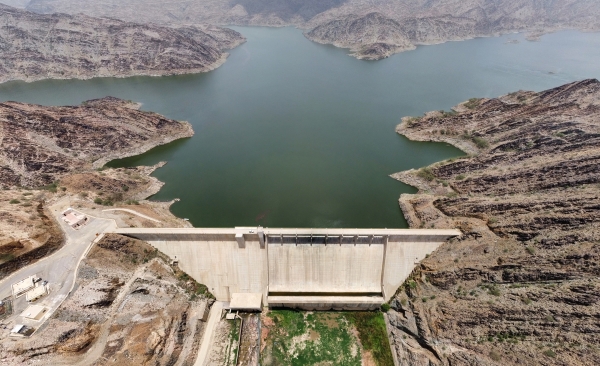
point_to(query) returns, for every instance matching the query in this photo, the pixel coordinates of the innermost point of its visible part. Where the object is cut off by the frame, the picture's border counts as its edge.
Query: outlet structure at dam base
(312, 269)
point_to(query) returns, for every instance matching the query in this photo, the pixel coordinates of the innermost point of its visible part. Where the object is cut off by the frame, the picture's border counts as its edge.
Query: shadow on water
(150, 157)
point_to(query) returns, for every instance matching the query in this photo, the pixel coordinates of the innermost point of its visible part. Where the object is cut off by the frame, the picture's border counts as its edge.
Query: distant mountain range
(372, 29)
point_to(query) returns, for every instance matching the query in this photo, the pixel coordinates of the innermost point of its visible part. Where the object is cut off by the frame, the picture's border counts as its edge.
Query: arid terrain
(53, 153)
(371, 29)
(27, 230)
(41, 144)
(130, 306)
(129, 303)
(60, 46)
(521, 285)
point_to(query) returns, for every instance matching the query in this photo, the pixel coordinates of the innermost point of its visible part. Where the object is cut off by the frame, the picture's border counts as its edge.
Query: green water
(295, 134)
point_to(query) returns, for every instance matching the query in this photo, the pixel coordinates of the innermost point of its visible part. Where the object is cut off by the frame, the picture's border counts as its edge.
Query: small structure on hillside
(21, 330)
(34, 312)
(36, 293)
(246, 302)
(73, 218)
(23, 286)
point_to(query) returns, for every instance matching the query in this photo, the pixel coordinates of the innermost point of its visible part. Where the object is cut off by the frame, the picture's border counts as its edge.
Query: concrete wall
(219, 262)
(400, 260)
(298, 266)
(325, 268)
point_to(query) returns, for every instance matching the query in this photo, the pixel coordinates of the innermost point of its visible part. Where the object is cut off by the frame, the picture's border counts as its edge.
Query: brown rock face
(40, 144)
(402, 24)
(60, 46)
(538, 178)
(521, 285)
(370, 37)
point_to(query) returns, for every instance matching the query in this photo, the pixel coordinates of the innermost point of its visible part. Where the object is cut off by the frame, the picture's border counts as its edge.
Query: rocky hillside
(60, 46)
(399, 24)
(370, 37)
(130, 307)
(521, 286)
(40, 144)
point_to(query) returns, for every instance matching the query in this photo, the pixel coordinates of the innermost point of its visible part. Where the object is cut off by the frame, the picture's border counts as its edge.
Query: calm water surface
(295, 134)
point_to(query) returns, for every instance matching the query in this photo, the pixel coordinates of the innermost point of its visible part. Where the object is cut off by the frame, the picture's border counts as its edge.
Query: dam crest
(312, 269)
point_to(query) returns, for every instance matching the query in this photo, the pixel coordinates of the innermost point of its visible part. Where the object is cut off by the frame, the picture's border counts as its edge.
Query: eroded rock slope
(521, 286)
(60, 46)
(39, 144)
(130, 307)
(396, 26)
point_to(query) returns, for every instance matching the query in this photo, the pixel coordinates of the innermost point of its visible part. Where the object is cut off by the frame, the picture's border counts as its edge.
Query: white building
(36, 293)
(73, 218)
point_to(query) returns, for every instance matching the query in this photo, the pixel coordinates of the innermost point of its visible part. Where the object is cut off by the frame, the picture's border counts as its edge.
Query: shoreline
(411, 178)
(189, 132)
(531, 35)
(215, 65)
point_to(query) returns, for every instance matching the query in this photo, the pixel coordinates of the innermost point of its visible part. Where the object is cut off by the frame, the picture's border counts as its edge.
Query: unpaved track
(207, 338)
(188, 346)
(95, 352)
(132, 212)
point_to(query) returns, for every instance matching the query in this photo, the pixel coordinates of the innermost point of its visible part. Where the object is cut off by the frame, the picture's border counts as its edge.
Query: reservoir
(290, 133)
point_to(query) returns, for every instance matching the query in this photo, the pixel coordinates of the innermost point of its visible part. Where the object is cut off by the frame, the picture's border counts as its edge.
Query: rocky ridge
(60, 46)
(370, 37)
(371, 29)
(41, 144)
(521, 285)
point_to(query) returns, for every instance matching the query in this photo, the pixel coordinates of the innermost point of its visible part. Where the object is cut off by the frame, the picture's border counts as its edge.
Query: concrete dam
(314, 269)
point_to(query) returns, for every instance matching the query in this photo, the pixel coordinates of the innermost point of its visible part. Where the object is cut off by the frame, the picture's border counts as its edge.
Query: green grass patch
(334, 338)
(481, 143)
(472, 103)
(549, 353)
(450, 113)
(6, 257)
(233, 345)
(51, 187)
(304, 338)
(373, 335)
(426, 173)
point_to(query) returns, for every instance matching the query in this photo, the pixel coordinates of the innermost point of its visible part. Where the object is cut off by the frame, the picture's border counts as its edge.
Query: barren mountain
(521, 286)
(40, 144)
(370, 37)
(397, 25)
(60, 46)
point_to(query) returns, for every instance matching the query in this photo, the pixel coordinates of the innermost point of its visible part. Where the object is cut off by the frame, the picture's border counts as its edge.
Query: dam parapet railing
(313, 268)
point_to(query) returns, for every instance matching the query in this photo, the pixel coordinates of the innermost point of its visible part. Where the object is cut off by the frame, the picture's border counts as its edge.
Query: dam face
(314, 269)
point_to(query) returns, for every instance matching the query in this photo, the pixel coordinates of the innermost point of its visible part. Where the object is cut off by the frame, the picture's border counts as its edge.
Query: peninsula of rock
(60, 46)
(39, 144)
